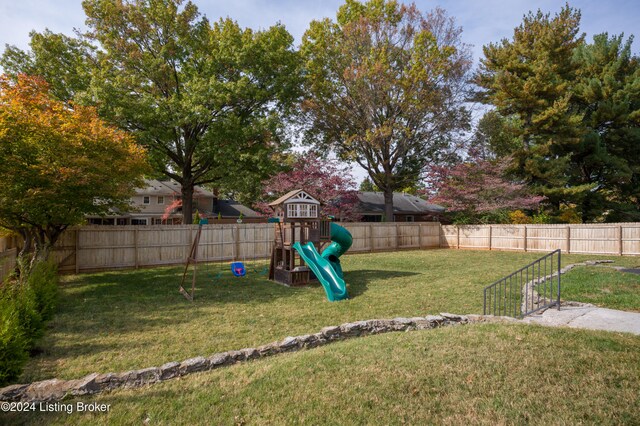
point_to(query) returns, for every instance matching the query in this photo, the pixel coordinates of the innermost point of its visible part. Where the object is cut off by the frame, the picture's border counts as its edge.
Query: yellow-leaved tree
(58, 163)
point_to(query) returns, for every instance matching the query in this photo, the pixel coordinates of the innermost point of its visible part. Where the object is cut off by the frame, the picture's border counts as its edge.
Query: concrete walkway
(589, 317)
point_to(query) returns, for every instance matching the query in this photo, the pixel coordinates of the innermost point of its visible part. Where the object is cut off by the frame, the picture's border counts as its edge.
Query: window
(139, 221)
(160, 199)
(146, 199)
(409, 219)
(302, 210)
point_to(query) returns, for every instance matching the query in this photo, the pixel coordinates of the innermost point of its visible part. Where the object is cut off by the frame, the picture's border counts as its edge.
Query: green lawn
(603, 287)
(476, 374)
(123, 320)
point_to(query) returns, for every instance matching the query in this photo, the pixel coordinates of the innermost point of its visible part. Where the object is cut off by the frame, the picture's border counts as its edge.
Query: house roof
(373, 203)
(232, 208)
(305, 198)
(169, 188)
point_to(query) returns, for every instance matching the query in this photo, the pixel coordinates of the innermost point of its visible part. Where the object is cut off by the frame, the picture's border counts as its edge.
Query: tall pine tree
(608, 156)
(529, 79)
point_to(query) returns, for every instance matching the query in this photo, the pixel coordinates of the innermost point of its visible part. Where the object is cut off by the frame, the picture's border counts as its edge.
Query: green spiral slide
(327, 267)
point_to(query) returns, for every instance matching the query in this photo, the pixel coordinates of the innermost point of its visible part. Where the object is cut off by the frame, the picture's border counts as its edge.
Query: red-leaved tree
(478, 188)
(326, 180)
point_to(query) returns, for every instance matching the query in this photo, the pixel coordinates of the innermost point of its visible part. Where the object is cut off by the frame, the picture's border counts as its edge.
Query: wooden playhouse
(298, 215)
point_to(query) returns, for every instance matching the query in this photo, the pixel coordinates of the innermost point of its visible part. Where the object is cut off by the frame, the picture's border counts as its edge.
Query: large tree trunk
(388, 205)
(187, 202)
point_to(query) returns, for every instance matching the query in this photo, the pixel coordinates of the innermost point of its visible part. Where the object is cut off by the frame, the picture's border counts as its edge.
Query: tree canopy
(58, 163)
(567, 111)
(64, 62)
(385, 85)
(479, 190)
(205, 99)
(325, 179)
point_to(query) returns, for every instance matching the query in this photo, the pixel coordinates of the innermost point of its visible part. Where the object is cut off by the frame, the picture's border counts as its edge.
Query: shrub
(24, 308)
(519, 217)
(21, 301)
(13, 344)
(43, 282)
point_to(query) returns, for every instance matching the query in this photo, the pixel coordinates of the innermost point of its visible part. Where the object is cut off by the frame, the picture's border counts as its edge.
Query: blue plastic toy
(238, 269)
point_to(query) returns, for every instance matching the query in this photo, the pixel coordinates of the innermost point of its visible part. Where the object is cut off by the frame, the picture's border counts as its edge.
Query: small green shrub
(13, 344)
(43, 282)
(24, 308)
(21, 300)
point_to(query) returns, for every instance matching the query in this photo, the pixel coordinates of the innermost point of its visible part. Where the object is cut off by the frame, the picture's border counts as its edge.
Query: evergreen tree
(607, 158)
(529, 79)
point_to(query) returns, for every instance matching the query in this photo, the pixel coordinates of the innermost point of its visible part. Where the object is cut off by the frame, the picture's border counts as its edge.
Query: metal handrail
(518, 294)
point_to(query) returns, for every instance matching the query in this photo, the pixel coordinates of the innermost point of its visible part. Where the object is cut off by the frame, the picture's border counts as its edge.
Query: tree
(528, 79)
(607, 158)
(58, 163)
(64, 62)
(385, 86)
(367, 186)
(567, 111)
(325, 180)
(199, 96)
(478, 190)
(496, 136)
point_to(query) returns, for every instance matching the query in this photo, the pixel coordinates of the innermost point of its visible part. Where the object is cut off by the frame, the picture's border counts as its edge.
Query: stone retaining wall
(56, 389)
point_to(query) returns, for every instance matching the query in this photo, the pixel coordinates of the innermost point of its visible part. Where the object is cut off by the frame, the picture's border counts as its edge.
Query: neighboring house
(406, 208)
(158, 203)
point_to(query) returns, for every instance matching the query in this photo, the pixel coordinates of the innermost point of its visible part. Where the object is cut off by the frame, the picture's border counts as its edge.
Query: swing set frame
(193, 259)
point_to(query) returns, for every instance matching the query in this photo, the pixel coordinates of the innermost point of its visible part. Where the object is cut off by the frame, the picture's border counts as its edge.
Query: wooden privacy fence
(616, 239)
(7, 262)
(98, 248)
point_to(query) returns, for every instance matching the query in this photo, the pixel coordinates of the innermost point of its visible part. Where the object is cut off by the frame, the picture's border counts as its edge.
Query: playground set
(299, 234)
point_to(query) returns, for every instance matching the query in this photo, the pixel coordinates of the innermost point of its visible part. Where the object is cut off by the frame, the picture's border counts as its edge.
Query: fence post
(188, 242)
(77, 256)
(568, 239)
(620, 246)
(490, 236)
(397, 238)
(458, 237)
(420, 236)
(525, 238)
(371, 238)
(135, 248)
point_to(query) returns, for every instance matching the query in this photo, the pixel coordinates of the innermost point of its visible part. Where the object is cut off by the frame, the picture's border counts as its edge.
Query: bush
(13, 344)
(24, 308)
(29, 318)
(43, 281)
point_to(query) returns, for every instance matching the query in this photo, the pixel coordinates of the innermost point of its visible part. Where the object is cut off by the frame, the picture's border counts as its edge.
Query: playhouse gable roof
(295, 196)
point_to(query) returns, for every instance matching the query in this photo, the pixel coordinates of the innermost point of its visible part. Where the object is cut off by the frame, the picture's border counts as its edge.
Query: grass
(477, 374)
(123, 320)
(603, 287)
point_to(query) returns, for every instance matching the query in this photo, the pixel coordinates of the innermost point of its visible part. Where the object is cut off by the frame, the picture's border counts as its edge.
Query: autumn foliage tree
(479, 190)
(385, 89)
(58, 163)
(326, 180)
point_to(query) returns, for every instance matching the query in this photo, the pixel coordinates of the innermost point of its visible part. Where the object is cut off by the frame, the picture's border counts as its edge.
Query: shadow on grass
(358, 280)
(114, 301)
